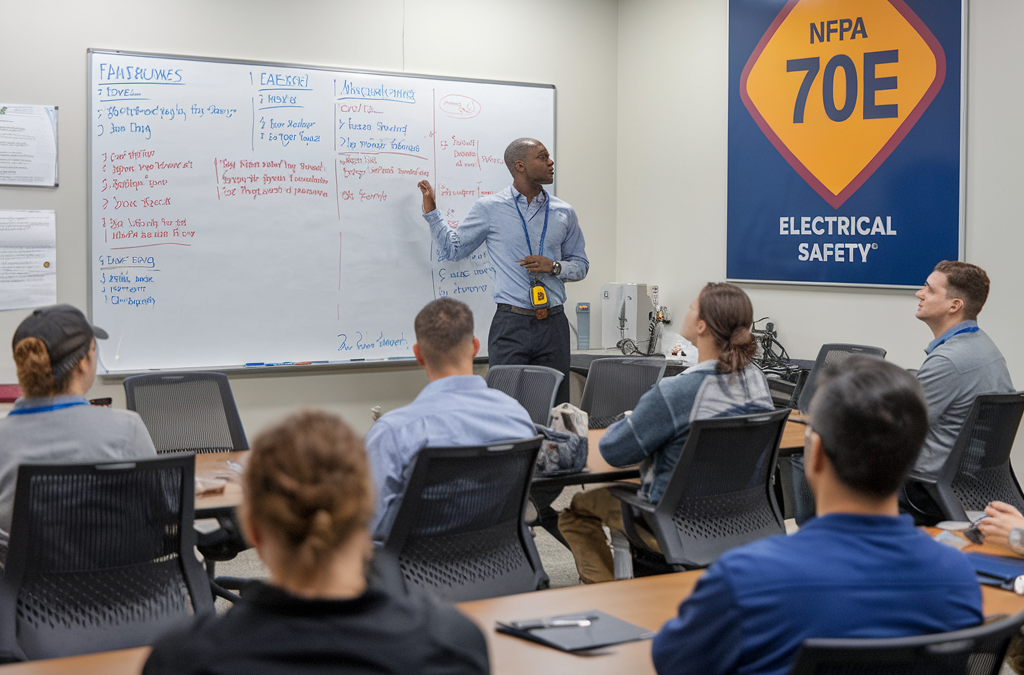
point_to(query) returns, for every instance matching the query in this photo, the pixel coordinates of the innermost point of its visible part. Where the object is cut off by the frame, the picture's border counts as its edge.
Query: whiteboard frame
(290, 369)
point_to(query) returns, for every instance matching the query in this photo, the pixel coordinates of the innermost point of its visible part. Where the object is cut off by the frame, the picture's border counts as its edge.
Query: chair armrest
(633, 509)
(628, 496)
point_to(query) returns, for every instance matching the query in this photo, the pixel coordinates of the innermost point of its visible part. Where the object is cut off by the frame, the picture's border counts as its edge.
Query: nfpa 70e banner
(844, 140)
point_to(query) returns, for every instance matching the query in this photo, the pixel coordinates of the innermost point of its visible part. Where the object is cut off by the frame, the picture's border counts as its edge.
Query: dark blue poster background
(918, 186)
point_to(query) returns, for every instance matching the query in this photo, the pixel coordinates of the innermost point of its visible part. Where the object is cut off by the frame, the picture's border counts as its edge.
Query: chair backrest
(101, 557)
(534, 387)
(830, 355)
(978, 469)
(192, 412)
(615, 385)
(459, 531)
(971, 651)
(720, 494)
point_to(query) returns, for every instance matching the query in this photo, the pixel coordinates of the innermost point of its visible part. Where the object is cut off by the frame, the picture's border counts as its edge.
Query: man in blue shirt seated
(455, 409)
(858, 570)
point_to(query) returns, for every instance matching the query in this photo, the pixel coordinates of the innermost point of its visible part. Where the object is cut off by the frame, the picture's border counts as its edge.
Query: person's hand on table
(1002, 518)
(537, 263)
(429, 204)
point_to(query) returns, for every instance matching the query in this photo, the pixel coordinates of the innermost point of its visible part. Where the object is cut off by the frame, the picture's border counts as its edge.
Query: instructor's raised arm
(429, 203)
(452, 244)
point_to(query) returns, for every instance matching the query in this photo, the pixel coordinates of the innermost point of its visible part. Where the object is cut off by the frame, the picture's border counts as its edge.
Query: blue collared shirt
(494, 220)
(450, 412)
(841, 576)
(962, 327)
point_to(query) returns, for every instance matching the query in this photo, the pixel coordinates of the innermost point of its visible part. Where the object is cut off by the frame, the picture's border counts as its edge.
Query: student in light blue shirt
(533, 238)
(456, 408)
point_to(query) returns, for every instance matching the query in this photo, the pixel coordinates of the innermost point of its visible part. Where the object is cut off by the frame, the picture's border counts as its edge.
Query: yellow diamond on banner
(835, 85)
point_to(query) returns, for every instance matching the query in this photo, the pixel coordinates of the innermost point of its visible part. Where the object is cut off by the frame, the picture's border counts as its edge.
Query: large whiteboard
(251, 213)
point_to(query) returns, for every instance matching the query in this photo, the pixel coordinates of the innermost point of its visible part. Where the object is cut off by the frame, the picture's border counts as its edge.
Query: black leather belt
(542, 313)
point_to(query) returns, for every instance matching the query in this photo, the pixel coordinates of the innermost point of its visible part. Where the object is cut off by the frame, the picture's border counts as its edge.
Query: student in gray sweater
(962, 363)
(55, 353)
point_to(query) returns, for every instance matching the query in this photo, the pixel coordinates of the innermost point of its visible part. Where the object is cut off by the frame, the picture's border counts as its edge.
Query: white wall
(568, 43)
(641, 149)
(672, 181)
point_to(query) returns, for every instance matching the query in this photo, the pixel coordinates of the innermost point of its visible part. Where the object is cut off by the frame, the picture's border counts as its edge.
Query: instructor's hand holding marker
(429, 204)
(537, 263)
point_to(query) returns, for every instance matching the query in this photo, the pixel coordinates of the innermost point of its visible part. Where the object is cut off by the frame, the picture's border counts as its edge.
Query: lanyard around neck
(543, 232)
(969, 329)
(46, 408)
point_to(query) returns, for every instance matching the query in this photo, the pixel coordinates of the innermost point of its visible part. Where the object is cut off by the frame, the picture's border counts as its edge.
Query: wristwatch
(1017, 540)
(556, 268)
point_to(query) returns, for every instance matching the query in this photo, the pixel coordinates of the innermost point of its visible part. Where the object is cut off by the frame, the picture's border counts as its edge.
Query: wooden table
(647, 602)
(793, 434)
(222, 465)
(987, 547)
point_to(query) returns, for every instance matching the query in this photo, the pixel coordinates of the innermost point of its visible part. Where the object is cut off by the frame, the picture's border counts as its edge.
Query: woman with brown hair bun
(55, 353)
(308, 500)
(723, 383)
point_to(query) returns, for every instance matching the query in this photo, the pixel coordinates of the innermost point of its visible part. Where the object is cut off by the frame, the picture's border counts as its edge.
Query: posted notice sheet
(28, 145)
(28, 259)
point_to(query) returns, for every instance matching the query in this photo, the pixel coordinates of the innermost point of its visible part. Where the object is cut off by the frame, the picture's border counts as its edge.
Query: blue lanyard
(46, 408)
(969, 329)
(543, 233)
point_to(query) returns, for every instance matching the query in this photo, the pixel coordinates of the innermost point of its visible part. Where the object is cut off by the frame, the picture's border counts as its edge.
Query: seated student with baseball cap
(55, 354)
(858, 570)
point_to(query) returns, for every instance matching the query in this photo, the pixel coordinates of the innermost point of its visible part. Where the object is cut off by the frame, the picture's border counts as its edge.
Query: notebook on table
(993, 570)
(576, 632)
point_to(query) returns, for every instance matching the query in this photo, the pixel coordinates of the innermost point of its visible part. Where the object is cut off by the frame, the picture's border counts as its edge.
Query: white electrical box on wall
(625, 313)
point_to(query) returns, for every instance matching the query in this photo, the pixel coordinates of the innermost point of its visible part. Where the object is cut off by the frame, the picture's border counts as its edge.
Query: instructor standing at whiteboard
(535, 244)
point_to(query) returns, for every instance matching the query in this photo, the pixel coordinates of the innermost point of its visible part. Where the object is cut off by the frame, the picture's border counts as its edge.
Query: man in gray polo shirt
(962, 363)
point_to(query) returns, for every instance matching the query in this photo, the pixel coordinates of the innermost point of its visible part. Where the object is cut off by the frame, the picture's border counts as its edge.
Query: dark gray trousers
(518, 339)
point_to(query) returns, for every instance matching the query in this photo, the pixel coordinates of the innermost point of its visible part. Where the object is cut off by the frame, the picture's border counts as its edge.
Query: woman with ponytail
(55, 354)
(326, 608)
(723, 383)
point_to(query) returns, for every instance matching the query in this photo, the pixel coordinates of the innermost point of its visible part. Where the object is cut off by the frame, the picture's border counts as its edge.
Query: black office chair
(615, 385)
(720, 494)
(101, 557)
(195, 412)
(798, 502)
(972, 651)
(459, 530)
(534, 387)
(978, 468)
(192, 412)
(832, 355)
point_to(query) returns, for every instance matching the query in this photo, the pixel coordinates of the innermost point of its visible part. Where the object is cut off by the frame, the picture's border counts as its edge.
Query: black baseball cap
(64, 330)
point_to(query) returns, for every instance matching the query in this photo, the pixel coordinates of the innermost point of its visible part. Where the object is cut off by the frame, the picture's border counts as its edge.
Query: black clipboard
(604, 630)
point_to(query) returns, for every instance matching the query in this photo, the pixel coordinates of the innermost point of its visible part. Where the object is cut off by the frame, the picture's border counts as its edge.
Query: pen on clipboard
(534, 624)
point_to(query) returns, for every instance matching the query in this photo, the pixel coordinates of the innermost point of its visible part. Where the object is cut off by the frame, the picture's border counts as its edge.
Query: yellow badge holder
(539, 297)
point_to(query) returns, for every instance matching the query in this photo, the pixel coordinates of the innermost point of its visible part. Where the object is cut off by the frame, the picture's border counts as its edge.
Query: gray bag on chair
(564, 449)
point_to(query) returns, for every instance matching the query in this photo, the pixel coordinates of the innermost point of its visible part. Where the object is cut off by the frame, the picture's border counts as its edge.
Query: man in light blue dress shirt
(533, 239)
(455, 409)
(962, 363)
